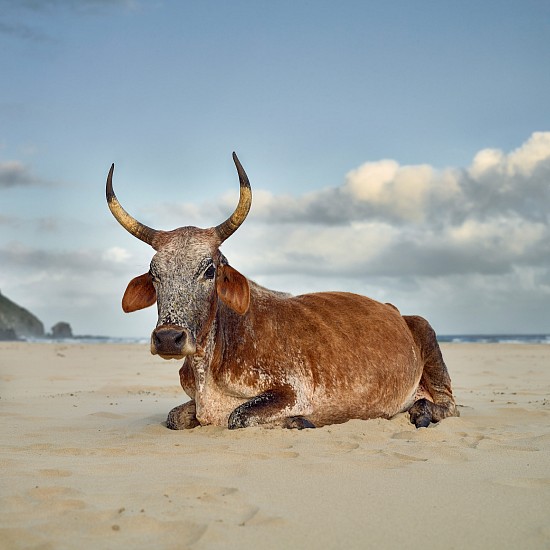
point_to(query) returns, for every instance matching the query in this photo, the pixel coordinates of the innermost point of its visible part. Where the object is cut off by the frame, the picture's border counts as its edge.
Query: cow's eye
(210, 272)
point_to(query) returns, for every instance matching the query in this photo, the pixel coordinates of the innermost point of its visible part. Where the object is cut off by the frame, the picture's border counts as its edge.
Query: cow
(257, 357)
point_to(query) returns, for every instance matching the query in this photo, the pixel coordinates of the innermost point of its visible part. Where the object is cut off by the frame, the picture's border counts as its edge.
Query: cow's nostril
(179, 340)
(156, 339)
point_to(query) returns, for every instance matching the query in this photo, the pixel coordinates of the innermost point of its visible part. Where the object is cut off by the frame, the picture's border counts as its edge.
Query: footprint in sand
(105, 414)
(54, 472)
(216, 504)
(526, 482)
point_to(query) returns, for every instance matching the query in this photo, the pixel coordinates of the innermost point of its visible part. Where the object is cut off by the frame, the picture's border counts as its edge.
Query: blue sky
(397, 149)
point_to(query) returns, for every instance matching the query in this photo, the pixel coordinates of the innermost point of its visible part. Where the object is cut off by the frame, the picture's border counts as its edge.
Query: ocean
(496, 338)
(453, 338)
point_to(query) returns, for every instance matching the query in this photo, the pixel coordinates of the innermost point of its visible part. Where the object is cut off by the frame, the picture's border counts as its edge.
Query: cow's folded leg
(255, 411)
(271, 407)
(183, 417)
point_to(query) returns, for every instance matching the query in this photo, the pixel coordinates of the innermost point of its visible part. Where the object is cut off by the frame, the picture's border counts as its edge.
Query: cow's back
(354, 357)
(365, 360)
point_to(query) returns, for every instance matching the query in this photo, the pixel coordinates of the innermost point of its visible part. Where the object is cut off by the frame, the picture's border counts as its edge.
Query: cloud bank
(469, 248)
(390, 220)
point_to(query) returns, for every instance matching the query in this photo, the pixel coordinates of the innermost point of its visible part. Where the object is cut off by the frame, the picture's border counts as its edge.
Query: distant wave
(89, 340)
(496, 338)
(452, 338)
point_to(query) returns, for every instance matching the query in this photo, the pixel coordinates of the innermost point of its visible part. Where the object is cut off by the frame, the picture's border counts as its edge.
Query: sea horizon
(483, 338)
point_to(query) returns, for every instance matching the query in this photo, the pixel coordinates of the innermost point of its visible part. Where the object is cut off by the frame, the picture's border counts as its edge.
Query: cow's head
(187, 276)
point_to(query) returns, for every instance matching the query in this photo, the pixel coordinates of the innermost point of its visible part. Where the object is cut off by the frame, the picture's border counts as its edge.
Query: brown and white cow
(253, 356)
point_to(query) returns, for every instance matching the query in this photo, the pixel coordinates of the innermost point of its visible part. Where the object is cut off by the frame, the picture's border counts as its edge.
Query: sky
(399, 150)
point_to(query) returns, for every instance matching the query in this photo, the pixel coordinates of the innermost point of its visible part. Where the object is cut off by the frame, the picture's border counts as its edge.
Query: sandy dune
(86, 462)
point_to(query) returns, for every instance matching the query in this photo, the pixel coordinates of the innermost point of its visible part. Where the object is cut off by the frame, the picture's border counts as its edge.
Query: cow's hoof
(421, 413)
(298, 423)
(182, 417)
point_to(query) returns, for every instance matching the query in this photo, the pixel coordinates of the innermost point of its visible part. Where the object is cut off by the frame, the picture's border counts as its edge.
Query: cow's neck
(213, 403)
(206, 350)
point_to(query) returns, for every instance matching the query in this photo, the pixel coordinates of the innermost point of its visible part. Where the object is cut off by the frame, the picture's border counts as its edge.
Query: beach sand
(86, 462)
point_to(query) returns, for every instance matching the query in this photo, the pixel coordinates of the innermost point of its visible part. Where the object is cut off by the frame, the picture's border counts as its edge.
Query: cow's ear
(140, 293)
(233, 289)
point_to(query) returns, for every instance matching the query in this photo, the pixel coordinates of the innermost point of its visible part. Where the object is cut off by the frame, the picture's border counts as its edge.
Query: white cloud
(406, 220)
(473, 242)
(532, 153)
(83, 287)
(521, 162)
(116, 254)
(403, 192)
(467, 247)
(14, 173)
(485, 161)
(495, 185)
(370, 181)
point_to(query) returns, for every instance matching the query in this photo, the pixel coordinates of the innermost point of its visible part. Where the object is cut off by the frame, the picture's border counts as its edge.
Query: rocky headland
(17, 323)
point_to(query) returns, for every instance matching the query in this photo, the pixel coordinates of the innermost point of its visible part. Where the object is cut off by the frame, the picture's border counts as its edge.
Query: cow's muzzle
(172, 342)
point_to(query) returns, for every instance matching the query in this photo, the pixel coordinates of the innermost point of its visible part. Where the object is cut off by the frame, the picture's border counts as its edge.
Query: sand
(86, 462)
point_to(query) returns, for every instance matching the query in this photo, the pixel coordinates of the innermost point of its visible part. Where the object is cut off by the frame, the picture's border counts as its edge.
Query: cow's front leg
(271, 407)
(183, 417)
(187, 378)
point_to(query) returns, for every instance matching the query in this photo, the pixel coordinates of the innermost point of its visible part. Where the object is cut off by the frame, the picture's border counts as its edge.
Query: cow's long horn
(229, 226)
(137, 229)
